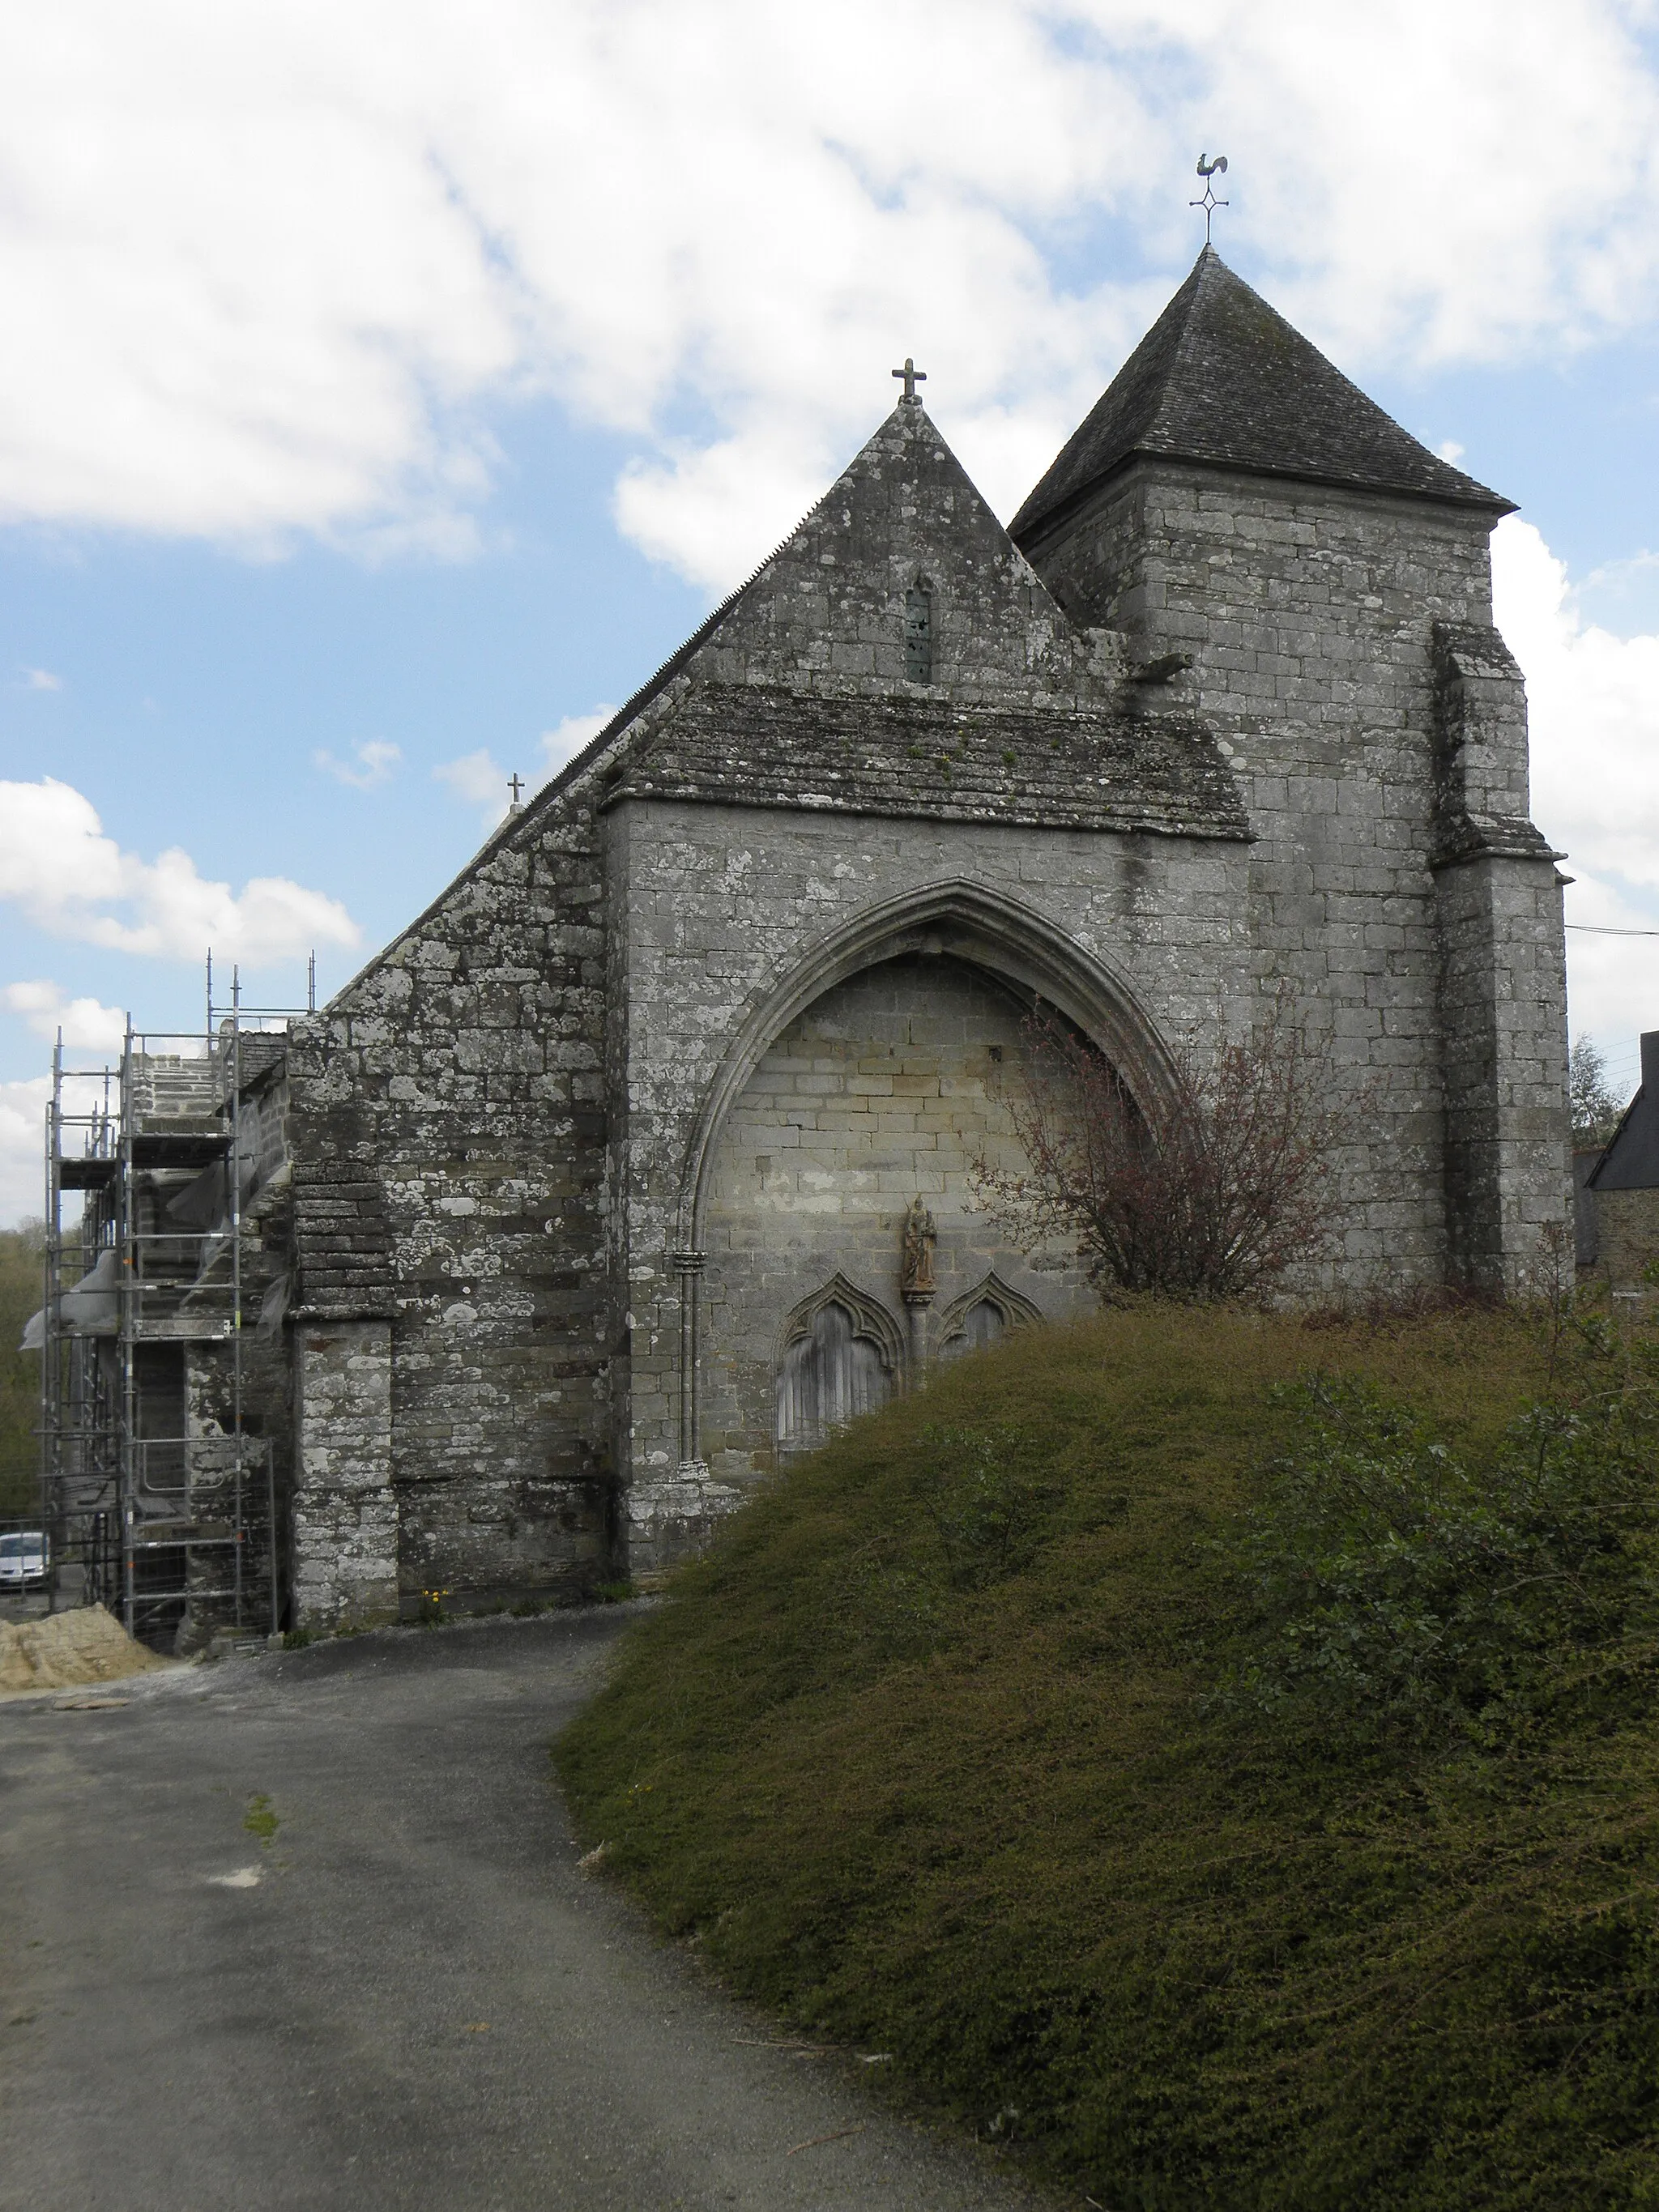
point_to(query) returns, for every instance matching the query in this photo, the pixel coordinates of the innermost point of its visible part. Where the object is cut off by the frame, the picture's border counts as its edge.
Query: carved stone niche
(981, 1316)
(841, 1354)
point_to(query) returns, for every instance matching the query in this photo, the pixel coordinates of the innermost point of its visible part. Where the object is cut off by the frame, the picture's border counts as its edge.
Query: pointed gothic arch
(840, 1354)
(989, 1309)
(970, 922)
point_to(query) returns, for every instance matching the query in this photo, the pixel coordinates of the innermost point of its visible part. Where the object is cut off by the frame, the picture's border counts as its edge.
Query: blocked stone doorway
(885, 1090)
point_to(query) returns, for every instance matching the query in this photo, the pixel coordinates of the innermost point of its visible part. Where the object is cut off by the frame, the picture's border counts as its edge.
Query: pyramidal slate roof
(1221, 378)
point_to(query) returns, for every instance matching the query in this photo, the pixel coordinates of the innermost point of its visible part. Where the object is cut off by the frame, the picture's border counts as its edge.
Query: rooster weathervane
(1210, 171)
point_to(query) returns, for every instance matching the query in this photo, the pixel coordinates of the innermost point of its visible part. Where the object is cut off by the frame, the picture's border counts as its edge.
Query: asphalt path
(404, 1993)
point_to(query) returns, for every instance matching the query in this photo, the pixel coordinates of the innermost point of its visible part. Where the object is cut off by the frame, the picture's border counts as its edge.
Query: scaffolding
(157, 1489)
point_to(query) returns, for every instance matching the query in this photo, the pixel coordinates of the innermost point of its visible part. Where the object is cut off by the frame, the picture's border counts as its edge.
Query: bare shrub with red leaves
(1213, 1188)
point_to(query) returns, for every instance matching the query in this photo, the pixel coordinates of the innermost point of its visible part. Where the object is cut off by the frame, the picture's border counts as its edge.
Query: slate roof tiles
(762, 746)
(1221, 378)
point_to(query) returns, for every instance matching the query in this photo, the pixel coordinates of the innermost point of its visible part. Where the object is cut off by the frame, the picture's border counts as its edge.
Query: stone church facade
(598, 1178)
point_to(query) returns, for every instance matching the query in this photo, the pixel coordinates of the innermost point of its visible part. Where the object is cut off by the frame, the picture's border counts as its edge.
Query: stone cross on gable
(912, 375)
(515, 785)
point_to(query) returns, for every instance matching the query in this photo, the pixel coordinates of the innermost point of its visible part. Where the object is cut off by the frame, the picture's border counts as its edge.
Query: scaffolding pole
(125, 1472)
(127, 1321)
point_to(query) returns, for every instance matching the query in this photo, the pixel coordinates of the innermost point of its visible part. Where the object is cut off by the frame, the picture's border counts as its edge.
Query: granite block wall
(462, 1075)
(345, 1514)
(1503, 1007)
(828, 612)
(1318, 624)
(719, 907)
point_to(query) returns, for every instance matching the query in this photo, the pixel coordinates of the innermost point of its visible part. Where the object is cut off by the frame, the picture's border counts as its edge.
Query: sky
(389, 388)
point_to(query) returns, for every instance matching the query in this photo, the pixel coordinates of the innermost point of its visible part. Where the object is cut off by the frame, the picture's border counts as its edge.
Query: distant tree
(1595, 1105)
(1212, 1189)
(21, 1251)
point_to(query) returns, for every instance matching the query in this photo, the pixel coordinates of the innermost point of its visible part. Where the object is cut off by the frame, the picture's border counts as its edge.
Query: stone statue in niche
(916, 1269)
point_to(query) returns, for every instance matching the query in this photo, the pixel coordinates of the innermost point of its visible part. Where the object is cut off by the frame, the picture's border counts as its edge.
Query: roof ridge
(655, 685)
(1184, 338)
(682, 655)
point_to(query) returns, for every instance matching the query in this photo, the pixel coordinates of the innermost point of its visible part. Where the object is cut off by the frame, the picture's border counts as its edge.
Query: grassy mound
(1234, 1791)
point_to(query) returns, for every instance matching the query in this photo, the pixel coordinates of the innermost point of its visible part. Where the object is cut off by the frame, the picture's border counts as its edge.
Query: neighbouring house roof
(1221, 378)
(1631, 1161)
(762, 746)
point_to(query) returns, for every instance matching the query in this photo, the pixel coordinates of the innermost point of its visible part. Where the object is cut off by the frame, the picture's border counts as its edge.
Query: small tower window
(919, 634)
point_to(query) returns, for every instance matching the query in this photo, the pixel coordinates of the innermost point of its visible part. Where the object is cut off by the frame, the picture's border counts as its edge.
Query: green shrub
(1402, 1589)
(1231, 1785)
(987, 1506)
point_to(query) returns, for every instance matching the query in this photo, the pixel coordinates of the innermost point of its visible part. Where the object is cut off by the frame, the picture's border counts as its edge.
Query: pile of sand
(67, 1648)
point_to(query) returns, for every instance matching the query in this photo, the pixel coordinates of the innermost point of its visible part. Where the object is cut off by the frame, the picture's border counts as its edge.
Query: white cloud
(1593, 705)
(22, 1148)
(740, 214)
(479, 779)
(84, 1024)
(562, 744)
(41, 679)
(375, 761)
(476, 779)
(71, 880)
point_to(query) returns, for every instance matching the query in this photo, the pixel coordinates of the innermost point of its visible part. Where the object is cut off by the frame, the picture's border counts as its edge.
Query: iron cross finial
(912, 375)
(515, 785)
(1210, 171)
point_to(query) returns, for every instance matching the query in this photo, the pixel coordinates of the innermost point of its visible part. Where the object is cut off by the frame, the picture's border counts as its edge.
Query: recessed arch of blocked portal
(967, 922)
(879, 1086)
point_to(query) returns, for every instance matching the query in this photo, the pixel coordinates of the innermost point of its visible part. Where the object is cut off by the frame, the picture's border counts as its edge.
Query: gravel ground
(393, 1988)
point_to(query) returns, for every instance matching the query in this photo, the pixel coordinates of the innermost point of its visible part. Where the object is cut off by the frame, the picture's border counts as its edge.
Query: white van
(23, 1557)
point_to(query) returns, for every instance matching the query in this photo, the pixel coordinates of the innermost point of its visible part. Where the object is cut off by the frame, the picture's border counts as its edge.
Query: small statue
(916, 1271)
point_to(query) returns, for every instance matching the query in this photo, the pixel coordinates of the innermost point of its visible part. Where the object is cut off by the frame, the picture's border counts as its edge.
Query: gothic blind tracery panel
(828, 1377)
(982, 1324)
(982, 1317)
